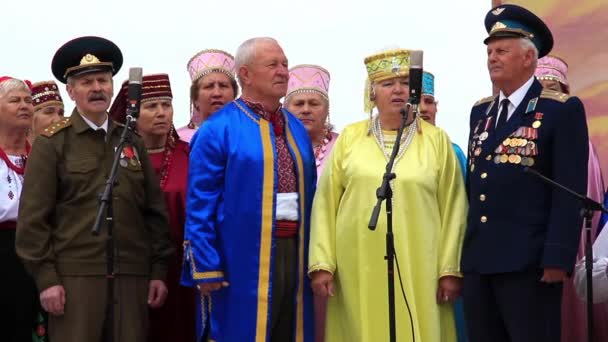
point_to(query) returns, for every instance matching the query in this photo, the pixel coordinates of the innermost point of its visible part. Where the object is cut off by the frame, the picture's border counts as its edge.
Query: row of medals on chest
(519, 148)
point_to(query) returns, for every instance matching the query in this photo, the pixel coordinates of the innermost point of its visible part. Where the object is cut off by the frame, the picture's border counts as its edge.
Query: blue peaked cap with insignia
(512, 21)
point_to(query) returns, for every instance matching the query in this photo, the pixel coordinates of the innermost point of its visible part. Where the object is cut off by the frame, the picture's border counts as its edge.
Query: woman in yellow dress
(346, 259)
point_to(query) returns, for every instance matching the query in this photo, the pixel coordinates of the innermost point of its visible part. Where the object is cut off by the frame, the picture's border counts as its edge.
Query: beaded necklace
(165, 166)
(19, 169)
(406, 139)
(321, 148)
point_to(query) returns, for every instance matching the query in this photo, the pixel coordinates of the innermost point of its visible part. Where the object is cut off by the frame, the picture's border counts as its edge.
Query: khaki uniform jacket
(66, 171)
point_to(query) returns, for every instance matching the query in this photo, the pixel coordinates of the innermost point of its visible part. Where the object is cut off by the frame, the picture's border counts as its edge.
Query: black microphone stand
(589, 206)
(105, 212)
(384, 192)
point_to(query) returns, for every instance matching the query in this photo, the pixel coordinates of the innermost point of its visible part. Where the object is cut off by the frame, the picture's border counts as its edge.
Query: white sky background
(161, 36)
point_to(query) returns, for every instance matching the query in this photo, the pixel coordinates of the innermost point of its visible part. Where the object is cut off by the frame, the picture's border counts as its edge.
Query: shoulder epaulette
(56, 127)
(484, 100)
(554, 95)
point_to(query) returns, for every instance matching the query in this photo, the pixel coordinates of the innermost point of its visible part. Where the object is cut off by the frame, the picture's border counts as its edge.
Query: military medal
(477, 129)
(484, 135)
(129, 156)
(477, 151)
(497, 159)
(504, 158)
(538, 117)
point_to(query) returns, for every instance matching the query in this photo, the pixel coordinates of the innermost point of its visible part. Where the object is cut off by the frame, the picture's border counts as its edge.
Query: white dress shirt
(515, 98)
(91, 124)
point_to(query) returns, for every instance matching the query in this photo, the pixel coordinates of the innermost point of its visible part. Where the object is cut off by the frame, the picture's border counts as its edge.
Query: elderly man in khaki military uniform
(66, 172)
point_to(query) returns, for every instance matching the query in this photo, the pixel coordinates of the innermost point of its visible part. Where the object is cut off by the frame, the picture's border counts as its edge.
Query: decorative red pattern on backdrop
(287, 170)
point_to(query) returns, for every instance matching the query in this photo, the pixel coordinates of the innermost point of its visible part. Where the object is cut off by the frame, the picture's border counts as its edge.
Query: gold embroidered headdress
(383, 66)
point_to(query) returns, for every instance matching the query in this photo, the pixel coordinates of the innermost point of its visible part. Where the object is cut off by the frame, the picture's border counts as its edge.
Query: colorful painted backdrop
(581, 38)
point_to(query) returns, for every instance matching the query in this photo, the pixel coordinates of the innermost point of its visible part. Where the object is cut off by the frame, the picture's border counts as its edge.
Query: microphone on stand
(134, 92)
(415, 81)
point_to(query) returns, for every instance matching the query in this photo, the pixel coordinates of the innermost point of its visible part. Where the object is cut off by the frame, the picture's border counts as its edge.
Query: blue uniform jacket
(516, 222)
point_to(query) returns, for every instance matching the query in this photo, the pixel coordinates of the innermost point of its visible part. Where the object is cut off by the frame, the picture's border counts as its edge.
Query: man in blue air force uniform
(250, 187)
(522, 234)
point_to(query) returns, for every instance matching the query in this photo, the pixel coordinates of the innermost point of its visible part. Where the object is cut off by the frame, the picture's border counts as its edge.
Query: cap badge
(498, 11)
(89, 59)
(497, 26)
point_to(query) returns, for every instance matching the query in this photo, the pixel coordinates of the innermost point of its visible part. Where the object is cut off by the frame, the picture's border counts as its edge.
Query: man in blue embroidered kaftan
(250, 188)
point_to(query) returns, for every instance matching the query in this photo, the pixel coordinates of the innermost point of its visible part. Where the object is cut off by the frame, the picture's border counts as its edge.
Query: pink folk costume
(574, 321)
(174, 321)
(202, 64)
(308, 78)
(315, 79)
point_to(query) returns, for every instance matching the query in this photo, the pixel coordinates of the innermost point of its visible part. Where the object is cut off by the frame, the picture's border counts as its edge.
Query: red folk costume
(174, 321)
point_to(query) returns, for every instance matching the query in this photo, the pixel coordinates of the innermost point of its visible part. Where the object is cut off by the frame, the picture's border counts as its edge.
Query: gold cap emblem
(89, 59)
(497, 26)
(498, 11)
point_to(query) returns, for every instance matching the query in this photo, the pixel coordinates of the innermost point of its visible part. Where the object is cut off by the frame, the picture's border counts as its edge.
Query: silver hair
(527, 44)
(246, 53)
(12, 85)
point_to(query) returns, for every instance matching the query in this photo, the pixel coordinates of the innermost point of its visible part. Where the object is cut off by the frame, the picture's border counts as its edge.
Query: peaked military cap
(512, 21)
(86, 54)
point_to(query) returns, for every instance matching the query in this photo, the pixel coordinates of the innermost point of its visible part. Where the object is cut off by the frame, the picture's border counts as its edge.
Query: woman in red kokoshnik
(169, 156)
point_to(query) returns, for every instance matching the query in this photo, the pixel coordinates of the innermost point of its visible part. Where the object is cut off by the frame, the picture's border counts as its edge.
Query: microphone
(134, 92)
(415, 78)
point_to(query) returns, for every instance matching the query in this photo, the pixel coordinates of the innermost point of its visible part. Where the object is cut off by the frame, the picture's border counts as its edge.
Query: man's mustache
(98, 96)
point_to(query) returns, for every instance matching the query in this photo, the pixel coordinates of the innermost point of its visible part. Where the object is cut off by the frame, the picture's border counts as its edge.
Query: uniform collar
(93, 126)
(518, 95)
(81, 123)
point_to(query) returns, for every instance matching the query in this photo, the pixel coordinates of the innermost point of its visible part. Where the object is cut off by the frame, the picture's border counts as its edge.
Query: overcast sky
(161, 36)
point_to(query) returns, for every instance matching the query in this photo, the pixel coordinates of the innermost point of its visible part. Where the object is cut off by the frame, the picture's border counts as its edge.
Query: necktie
(504, 112)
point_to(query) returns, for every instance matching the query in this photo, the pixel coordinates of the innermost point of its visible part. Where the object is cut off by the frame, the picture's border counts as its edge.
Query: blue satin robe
(461, 333)
(230, 223)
